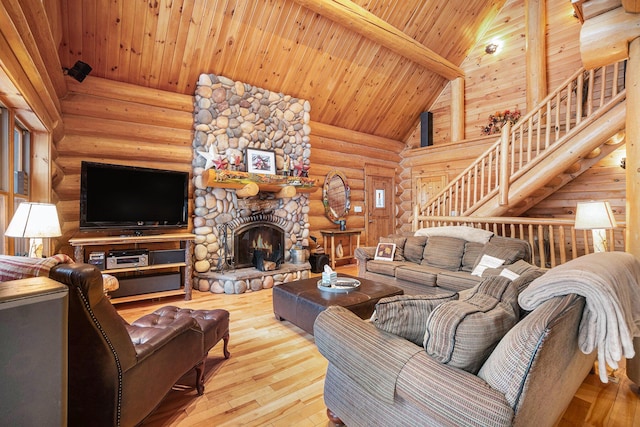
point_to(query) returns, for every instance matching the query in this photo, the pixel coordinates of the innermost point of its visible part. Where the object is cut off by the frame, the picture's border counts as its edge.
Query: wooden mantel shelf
(249, 184)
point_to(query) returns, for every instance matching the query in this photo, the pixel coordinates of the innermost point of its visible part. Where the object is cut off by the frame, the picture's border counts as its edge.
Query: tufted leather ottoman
(211, 325)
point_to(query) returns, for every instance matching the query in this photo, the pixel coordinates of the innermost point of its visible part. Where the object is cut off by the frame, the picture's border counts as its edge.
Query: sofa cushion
(399, 241)
(513, 356)
(443, 252)
(406, 315)
(510, 250)
(457, 280)
(384, 267)
(471, 252)
(463, 333)
(414, 248)
(418, 273)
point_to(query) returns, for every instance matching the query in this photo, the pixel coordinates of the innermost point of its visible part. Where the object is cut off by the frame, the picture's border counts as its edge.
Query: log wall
(111, 122)
(496, 83)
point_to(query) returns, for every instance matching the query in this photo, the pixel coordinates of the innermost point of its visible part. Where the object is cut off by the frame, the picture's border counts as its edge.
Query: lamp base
(35, 247)
(599, 240)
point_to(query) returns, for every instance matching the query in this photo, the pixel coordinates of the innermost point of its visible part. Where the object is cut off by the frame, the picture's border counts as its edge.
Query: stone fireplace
(230, 117)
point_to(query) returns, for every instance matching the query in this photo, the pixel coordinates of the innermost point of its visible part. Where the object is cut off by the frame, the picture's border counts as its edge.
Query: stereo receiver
(128, 258)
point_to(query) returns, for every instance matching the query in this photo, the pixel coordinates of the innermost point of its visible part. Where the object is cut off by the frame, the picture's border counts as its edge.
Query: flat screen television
(132, 199)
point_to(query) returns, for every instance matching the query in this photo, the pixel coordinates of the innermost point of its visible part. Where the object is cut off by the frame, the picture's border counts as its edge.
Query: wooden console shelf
(185, 240)
(329, 239)
(247, 185)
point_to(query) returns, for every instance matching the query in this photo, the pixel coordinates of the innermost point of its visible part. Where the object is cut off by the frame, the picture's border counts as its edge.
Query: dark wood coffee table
(301, 301)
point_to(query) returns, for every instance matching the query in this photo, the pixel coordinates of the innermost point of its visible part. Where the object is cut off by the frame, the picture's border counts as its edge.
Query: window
(15, 165)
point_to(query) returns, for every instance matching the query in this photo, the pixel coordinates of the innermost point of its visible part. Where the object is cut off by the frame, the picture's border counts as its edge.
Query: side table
(329, 236)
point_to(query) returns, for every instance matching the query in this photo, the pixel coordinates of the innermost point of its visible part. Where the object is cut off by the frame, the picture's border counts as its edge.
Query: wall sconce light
(79, 71)
(595, 216)
(491, 48)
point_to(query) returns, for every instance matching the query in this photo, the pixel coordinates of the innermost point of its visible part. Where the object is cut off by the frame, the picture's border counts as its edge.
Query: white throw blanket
(610, 283)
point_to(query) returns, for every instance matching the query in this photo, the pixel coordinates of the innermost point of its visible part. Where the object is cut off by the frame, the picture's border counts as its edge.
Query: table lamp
(595, 216)
(34, 221)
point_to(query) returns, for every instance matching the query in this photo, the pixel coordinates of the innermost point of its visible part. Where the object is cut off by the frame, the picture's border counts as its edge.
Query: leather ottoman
(301, 301)
(212, 325)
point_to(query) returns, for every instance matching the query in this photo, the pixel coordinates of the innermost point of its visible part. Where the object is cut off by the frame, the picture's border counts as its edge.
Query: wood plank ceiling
(351, 81)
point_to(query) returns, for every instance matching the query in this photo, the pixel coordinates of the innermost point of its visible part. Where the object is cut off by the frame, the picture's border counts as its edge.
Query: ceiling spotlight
(491, 48)
(79, 71)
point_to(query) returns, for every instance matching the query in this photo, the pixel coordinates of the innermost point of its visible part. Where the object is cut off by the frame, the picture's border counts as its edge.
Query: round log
(250, 189)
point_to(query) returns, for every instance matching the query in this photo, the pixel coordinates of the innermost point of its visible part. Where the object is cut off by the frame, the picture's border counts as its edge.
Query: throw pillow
(463, 333)
(470, 234)
(443, 252)
(510, 250)
(521, 271)
(406, 315)
(486, 261)
(399, 241)
(414, 248)
(385, 252)
(472, 251)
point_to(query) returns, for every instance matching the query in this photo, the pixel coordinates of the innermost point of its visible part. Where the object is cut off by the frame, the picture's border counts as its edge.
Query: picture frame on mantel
(260, 161)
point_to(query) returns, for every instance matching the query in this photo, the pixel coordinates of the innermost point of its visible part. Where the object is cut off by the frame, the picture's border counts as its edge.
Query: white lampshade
(34, 220)
(594, 215)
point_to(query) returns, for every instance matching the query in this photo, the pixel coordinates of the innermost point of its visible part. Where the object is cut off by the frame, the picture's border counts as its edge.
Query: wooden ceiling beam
(604, 39)
(363, 22)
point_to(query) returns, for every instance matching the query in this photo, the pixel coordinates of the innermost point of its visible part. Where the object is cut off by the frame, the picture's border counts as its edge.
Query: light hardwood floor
(275, 375)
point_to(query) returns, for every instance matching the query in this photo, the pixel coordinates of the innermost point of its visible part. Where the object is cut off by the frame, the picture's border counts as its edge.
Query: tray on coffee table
(342, 284)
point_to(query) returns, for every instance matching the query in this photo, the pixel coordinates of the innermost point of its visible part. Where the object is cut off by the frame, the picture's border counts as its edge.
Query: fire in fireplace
(257, 242)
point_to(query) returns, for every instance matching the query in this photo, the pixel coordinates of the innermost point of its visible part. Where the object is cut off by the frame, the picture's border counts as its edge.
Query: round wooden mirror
(336, 196)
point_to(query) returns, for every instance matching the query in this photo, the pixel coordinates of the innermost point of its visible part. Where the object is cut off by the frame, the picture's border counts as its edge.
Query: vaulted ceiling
(352, 69)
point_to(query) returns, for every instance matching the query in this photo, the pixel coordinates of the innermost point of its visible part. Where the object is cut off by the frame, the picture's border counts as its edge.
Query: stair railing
(576, 99)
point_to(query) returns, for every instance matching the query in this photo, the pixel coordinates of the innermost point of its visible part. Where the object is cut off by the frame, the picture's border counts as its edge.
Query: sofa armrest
(370, 357)
(87, 277)
(362, 255)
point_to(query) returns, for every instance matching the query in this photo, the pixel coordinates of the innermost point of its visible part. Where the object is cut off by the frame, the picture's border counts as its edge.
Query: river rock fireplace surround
(230, 117)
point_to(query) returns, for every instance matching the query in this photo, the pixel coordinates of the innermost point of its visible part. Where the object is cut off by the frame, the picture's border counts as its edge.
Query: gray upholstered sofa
(439, 257)
(510, 351)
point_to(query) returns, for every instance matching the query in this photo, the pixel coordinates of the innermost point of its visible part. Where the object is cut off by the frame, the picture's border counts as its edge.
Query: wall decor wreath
(498, 119)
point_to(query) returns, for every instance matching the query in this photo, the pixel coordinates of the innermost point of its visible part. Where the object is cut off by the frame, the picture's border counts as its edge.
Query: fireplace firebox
(258, 241)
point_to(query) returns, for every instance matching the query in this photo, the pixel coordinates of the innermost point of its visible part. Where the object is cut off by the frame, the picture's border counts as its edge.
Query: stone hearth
(251, 279)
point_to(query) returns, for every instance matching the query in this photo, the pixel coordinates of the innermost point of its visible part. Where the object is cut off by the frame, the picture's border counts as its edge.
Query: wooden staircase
(573, 128)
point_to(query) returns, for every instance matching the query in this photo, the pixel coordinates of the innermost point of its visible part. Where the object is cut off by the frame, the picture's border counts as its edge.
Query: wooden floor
(275, 375)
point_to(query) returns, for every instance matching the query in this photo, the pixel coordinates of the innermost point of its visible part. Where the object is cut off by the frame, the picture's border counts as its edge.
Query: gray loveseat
(529, 364)
(439, 258)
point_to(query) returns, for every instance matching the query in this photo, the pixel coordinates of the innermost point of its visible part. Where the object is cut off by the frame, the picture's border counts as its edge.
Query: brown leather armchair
(119, 372)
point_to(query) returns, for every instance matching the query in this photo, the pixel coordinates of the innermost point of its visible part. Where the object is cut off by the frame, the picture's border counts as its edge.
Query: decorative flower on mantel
(497, 120)
(221, 162)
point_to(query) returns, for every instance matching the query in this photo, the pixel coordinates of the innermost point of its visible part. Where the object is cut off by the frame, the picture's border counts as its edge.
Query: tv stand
(157, 241)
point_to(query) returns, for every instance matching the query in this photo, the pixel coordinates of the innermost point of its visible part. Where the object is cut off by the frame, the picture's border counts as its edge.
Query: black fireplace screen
(265, 237)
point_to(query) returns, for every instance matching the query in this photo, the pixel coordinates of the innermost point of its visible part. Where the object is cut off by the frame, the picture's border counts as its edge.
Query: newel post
(503, 183)
(633, 149)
